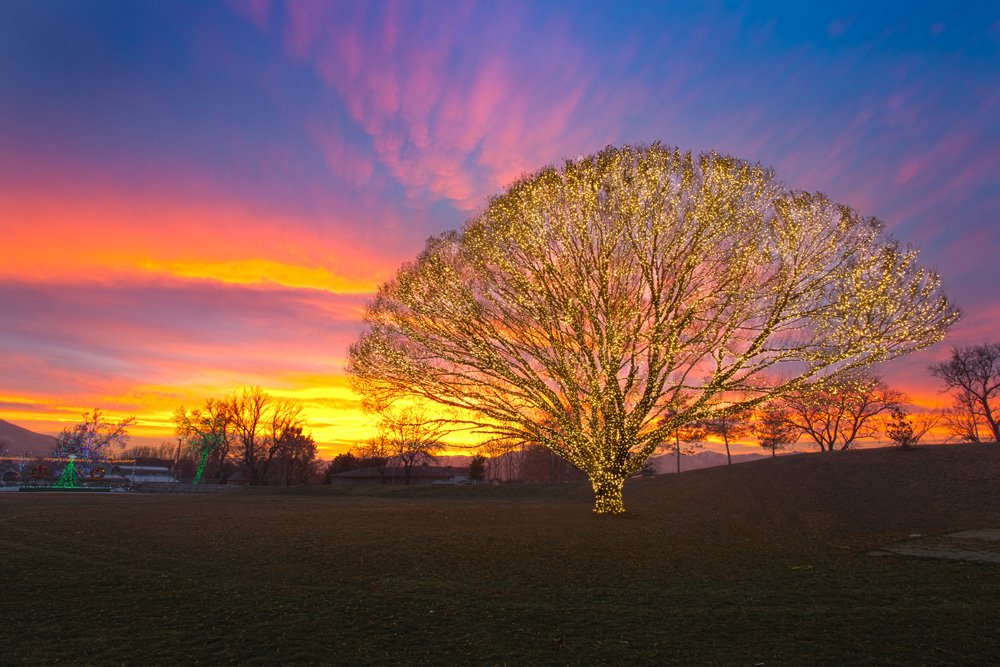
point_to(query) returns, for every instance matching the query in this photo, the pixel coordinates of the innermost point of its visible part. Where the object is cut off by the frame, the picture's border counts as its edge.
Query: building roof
(142, 470)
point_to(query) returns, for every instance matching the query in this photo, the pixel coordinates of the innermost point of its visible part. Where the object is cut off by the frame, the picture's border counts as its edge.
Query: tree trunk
(607, 493)
(201, 467)
(990, 420)
(729, 457)
(177, 457)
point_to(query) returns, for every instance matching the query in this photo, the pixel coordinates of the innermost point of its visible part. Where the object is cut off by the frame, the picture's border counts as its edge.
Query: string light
(585, 303)
(67, 480)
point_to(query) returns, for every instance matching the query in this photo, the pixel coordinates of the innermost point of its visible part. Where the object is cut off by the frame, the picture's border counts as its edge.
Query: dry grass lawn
(761, 563)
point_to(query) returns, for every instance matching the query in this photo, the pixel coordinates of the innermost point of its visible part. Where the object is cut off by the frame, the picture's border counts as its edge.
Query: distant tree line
(521, 463)
(250, 432)
(832, 414)
(835, 414)
(265, 438)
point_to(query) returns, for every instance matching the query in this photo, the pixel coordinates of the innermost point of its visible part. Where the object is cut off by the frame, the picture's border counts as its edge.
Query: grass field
(761, 563)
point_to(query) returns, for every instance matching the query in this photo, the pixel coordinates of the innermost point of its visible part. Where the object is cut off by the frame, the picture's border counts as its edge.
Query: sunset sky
(195, 197)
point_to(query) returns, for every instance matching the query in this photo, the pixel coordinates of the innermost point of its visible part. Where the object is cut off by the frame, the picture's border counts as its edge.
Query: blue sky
(198, 196)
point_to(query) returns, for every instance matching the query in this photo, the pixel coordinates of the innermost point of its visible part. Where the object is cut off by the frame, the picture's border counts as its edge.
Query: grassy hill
(17, 440)
(762, 563)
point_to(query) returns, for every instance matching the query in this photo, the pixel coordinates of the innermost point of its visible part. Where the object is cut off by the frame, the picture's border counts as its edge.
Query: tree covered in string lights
(206, 432)
(585, 301)
(250, 428)
(91, 442)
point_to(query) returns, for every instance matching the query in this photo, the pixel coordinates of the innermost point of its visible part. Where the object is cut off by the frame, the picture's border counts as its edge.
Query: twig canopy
(585, 301)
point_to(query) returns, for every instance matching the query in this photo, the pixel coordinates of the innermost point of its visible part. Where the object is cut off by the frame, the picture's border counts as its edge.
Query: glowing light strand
(585, 301)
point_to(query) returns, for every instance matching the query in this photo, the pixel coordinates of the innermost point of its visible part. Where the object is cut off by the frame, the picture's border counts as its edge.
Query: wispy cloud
(195, 197)
(445, 116)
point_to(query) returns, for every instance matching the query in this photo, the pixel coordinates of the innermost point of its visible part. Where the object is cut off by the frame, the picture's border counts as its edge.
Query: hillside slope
(662, 463)
(666, 464)
(931, 488)
(17, 440)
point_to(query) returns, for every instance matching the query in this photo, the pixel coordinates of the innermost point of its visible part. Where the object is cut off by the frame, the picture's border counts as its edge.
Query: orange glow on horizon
(260, 271)
(93, 240)
(333, 412)
(97, 239)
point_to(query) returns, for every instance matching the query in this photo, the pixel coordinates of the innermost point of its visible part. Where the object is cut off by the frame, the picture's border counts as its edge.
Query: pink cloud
(445, 127)
(145, 348)
(113, 235)
(945, 151)
(306, 21)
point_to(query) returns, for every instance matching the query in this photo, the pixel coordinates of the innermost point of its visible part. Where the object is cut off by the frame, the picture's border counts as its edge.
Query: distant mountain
(456, 460)
(663, 463)
(667, 463)
(17, 440)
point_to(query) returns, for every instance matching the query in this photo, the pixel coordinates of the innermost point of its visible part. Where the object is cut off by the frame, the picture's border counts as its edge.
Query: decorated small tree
(90, 443)
(67, 480)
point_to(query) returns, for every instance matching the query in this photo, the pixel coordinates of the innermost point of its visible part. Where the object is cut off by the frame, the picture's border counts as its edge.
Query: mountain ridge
(663, 464)
(16, 439)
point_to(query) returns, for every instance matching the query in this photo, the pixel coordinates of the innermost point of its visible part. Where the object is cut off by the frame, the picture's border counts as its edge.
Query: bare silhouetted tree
(250, 428)
(376, 452)
(729, 427)
(835, 412)
(973, 375)
(906, 429)
(260, 423)
(775, 430)
(295, 456)
(962, 420)
(412, 437)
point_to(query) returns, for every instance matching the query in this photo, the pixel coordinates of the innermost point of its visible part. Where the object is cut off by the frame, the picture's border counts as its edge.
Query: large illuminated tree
(582, 303)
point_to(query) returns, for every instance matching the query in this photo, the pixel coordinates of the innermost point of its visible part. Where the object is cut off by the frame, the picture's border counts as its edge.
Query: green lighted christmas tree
(67, 480)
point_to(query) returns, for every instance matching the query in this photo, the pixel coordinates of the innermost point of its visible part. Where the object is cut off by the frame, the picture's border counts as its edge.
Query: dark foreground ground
(761, 563)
